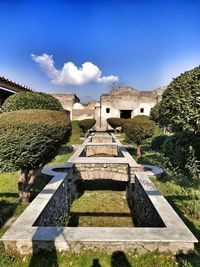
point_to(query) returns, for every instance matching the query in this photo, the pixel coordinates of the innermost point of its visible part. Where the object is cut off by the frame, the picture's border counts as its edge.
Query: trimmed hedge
(86, 124)
(30, 138)
(115, 122)
(141, 117)
(138, 129)
(31, 100)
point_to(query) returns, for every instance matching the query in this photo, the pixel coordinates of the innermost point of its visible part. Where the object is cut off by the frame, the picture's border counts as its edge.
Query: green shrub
(177, 148)
(179, 109)
(86, 124)
(139, 129)
(141, 117)
(154, 113)
(157, 142)
(29, 139)
(31, 100)
(115, 122)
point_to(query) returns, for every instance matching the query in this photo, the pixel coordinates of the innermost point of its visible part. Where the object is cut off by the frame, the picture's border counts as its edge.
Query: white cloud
(70, 74)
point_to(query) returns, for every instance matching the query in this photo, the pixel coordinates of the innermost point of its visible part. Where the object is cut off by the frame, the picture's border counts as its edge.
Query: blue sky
(144, 44)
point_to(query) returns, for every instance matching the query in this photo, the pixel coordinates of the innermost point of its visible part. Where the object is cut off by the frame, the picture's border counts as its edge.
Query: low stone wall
(99, 149)
(111, 171)
(28, 234)
(143, 211)
(58, 207)
(102, 139)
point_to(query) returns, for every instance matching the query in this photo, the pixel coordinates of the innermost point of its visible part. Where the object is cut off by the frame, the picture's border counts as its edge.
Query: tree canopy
(180, 107)
(138, 129)
(86, 124)
(115, 122)
(31, 100)
(28, 140)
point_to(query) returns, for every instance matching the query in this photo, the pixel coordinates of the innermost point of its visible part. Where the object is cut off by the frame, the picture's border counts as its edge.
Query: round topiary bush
(157, 142)
(137, 130)
(141, 117)
(86, 124)
(29, 139)
(179, 109)
(115, 122)
(31, 100)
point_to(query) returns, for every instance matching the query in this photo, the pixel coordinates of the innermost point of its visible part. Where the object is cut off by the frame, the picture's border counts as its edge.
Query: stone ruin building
(123, 102)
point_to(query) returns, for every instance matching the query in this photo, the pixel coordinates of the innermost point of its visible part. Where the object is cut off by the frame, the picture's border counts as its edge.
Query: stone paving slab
(108, 160)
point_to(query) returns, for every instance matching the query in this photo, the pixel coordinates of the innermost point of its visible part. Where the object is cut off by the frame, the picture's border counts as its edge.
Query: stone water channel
(61, 217)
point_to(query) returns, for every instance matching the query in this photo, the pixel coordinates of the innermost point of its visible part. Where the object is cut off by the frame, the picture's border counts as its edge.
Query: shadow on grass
(96, 263)
(119, 259)
(105, 184)
(40, 256)
(191, 259)
(43, 258)
(64, 150)
(8, 194)
(7, 209)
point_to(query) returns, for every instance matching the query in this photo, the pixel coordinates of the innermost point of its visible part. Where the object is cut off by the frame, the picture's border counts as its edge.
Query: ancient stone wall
(108, 150)
(141, 207)
(82, 114)
(111, 171)
(129, 99)
(58, 207)
(101, 139)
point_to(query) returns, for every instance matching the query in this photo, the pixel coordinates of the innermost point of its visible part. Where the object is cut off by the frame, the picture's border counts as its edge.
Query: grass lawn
(113, 211)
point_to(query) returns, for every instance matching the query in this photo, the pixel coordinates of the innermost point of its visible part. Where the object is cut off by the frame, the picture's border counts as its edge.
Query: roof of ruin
(160, 90)
(66, 97)
(13, 85)
(124, 90)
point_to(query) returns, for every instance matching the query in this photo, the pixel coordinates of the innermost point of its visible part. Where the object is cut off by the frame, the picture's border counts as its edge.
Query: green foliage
(141, 117)
(178, 148)
(154, 113)
(30, 138)
(31, 100)
(193, 164)
(157, 142)
(115, 122)
(175, 148)
(86, 124)
(180, 107)
(138, 129)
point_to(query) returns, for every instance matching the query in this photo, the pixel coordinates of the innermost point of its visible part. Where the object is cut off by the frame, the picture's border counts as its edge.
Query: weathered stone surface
(108, 149)
(90, 171)
(143, 211)
(102, 139)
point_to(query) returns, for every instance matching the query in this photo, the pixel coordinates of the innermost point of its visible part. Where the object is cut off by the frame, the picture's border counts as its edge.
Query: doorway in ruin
(125, 114)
